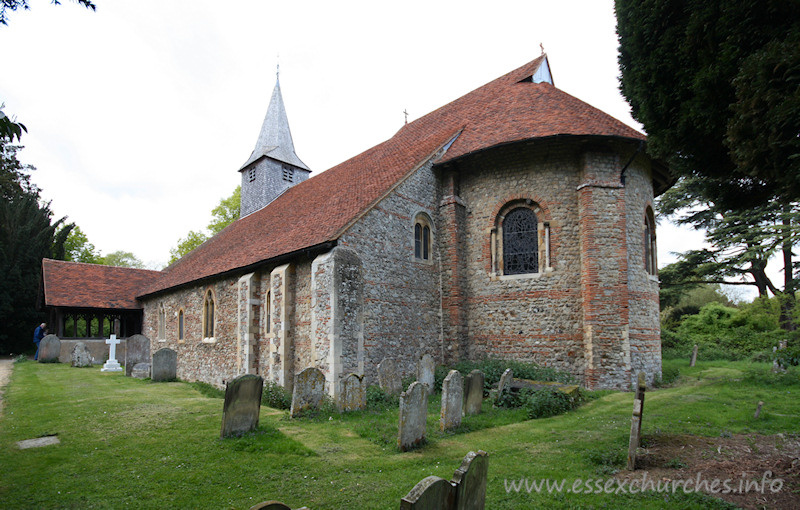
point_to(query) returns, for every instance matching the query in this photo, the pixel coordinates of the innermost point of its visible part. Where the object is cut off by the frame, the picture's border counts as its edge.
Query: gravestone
(141, 371)
(353, 395)
(425, 372)
(242, 405)
(309, 390)
(694, 356)
(81, 356)
(273, 505)
(504, 386)
(452, 401)
(413, 416)
(389, 377)
(137, 350)
(165, 365)
(49, 349)
(473, 392)
(112, 365)
(466, 491)
(432, 493)
(470, 481)
(636, 421)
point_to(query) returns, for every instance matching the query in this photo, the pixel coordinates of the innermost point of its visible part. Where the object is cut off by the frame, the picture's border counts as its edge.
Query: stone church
(515, 222)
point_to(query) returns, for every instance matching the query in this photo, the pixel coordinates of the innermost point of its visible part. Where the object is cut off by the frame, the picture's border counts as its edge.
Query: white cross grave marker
(112, 365)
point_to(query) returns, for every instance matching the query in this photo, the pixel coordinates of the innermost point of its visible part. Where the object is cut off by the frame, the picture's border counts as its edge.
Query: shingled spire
(273, 166)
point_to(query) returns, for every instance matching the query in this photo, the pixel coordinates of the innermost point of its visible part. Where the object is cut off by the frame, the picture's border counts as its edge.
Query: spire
(275, 139)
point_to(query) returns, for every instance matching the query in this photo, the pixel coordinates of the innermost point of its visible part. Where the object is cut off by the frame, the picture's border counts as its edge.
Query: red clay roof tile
(317, 210)
(79, 285)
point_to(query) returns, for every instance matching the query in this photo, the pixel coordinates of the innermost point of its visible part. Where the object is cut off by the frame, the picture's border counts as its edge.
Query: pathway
(5, 374)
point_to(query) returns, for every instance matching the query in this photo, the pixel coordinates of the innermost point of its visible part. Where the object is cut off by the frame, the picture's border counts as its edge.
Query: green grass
(137, 444)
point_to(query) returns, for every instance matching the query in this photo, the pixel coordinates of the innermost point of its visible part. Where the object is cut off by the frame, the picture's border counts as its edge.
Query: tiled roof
(79, 285)
(318, 210)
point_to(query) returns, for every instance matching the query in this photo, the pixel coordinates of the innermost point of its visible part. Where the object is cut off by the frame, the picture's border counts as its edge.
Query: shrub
(789, 356)
(668, 376)
(275, 396)
(547, 402)
(20, 358)
(378, 400)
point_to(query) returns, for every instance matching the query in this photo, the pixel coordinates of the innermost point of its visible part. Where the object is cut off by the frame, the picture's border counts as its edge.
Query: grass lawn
(136, 444)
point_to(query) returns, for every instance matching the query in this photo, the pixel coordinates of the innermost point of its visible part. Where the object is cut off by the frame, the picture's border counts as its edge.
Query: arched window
(208, 315)
(520, 230)
(180, 324)
(422, 237)
(650, 261)
(162, 322)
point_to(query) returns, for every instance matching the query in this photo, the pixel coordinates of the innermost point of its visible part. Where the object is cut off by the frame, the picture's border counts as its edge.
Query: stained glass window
(520, 242)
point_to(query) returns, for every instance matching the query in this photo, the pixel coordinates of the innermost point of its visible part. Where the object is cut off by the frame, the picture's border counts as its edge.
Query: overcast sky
(140, 114)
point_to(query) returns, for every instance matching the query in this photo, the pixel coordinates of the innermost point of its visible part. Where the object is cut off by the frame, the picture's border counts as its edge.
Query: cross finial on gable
(405, 112)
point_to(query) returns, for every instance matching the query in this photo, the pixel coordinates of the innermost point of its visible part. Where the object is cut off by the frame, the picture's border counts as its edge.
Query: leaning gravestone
(353, 396)
(49, 349)
(473, 392)
(452, 401)
(309, 390)
(137, 350)
(636, 422)
(141, 371)
(242, 405)
(165, 365)
(694, 356)
(425, 372)
(504, 386)
(470, 481)
(388, 377)
(466, 491)
(413, 416)
(81, 356)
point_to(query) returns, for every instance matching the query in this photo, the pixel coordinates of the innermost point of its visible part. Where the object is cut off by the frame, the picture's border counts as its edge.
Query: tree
(226, 212)
(10, 129)
(121, 259)
(742, 243)
(77, 248)
(186, 244)
(13, 5)
(689, 71)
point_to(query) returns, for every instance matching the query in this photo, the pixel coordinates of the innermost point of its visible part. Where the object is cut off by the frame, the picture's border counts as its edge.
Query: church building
(515, 222)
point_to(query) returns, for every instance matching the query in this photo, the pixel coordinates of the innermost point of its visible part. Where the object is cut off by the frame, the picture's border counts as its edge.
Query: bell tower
(273, 167)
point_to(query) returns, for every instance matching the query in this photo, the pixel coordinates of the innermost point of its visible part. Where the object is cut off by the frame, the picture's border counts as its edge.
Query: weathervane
(406, 114)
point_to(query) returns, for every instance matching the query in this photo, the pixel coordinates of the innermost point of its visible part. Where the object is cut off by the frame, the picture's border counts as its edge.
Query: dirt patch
(5, 375)
(761, 471)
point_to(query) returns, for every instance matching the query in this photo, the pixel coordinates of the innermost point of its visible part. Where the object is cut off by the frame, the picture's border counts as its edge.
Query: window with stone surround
(162, 322)
(520, 242)
(423, 241)
(180, 325)
(208, 316)
(650, 262)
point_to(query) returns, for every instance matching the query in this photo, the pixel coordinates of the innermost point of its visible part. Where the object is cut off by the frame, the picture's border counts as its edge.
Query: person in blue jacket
(38, 334)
